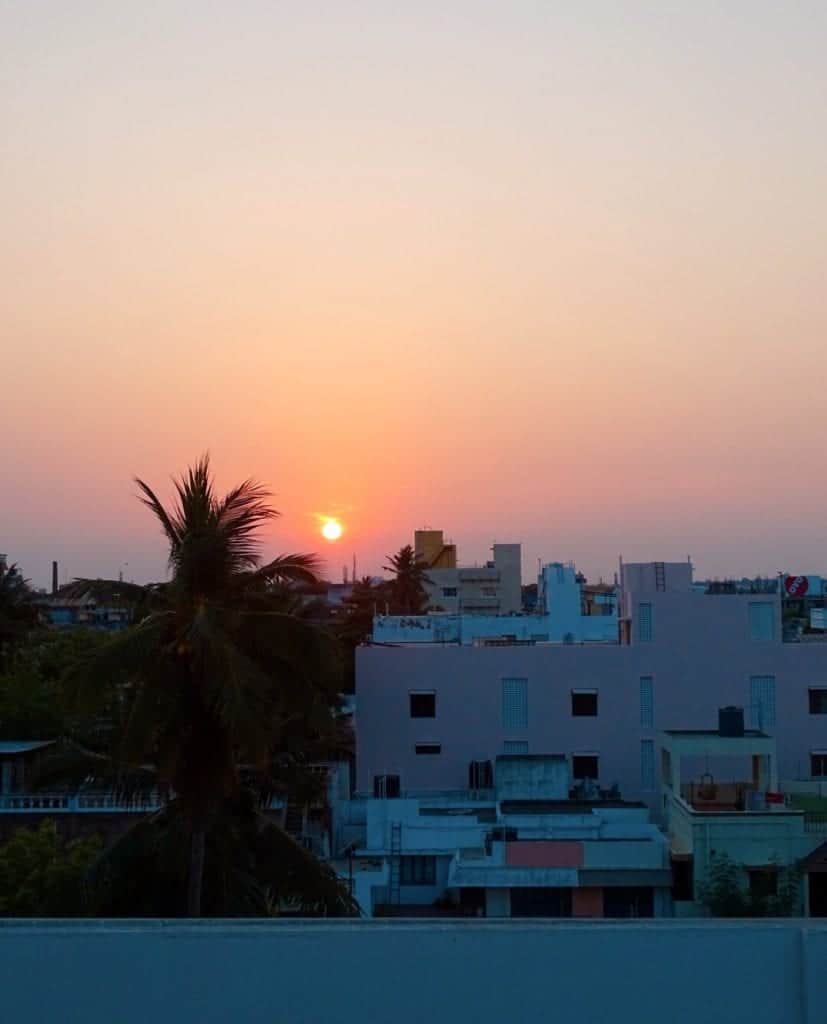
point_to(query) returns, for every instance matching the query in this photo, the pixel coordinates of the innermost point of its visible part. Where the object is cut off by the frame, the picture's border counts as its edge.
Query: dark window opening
(584, 766)
(423, 705)
(417, 871)
(818, 702)
(628, 901)
(583, 703)
(683, 882)
(386, 786)
(763, 883)
(818, 766)
(545, 902)
(428, 748)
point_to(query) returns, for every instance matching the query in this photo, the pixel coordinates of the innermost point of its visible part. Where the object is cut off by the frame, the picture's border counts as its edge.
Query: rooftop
(22, 746)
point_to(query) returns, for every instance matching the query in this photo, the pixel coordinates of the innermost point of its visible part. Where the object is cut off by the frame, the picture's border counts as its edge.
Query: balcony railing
(74, 803)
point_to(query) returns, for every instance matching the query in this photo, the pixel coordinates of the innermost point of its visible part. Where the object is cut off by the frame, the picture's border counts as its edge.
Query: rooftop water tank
(731, 721)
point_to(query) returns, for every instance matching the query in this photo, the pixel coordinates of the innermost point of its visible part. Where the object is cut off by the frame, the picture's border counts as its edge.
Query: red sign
(796, 586)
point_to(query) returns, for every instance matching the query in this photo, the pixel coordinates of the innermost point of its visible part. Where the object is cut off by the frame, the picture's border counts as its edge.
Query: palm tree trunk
(196, 879)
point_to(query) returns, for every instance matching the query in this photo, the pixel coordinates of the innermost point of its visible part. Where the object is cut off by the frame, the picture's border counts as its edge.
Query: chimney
(54, 577)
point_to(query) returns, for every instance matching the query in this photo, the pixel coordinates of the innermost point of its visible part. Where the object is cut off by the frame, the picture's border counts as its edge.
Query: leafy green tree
(406, 591)
(217, 690)
(18, 612)
(31, 705)
(40, 876)
(725, 896)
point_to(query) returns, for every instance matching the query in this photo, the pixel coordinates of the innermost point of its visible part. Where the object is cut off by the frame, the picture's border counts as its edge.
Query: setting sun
(332, 529)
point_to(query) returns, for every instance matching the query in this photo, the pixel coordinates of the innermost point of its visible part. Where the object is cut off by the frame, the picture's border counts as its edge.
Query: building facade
(567, 610)
(426, 710)
(494, 588)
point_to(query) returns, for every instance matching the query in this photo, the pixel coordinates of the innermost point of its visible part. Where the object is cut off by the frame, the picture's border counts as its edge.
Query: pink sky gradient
(538, 272)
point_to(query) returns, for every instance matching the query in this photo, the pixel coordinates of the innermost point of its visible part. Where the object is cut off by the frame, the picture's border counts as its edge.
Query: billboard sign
(796, 586)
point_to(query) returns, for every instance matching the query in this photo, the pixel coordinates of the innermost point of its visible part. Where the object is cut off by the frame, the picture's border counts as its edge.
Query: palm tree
(217, 687)
(407, 589)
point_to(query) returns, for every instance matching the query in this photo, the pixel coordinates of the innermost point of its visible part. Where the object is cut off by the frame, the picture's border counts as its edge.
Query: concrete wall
(374, 972)
(700, 657)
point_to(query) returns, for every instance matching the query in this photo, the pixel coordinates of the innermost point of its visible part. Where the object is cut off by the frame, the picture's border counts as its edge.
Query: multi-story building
(519, 841)
(427, 710)
(491, 589)
(568, 610)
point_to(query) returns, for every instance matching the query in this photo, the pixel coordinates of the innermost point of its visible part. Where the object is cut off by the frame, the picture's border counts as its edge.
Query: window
(417, 870)
(489, 591)
(449, 591)
(584, 766)
(386, 786)
(515, 747)
(584, 703)
(762, 702)
(647, 702)
(818, 764)
(644, 623)
(647, 765)
(761, 620)
(818, 700)
(683, 882)
(515, 703)
(428, 748)
(423, 703)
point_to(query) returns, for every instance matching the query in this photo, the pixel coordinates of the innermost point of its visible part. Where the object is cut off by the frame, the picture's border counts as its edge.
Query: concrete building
(748, 820)
(519, 842)
(568, 610)
(491, 589)
(426, 711)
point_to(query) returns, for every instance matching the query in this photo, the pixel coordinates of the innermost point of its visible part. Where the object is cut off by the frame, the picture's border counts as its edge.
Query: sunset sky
(527, 271)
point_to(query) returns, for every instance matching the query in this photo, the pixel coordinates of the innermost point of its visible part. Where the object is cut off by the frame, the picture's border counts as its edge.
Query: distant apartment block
(494, 588)
(568, 610)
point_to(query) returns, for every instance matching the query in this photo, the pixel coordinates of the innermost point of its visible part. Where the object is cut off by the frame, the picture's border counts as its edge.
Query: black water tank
(731, 721)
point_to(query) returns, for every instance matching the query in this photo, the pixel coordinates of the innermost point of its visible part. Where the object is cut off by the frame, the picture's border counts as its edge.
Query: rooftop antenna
(354, 566)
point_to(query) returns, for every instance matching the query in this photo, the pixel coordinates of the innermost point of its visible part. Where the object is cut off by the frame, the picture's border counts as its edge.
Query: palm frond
(292, 568)
(171, 524)
(240, 515)
(90, 684)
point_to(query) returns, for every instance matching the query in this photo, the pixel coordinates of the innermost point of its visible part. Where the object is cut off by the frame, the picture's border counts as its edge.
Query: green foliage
(18, 612)
(31, 693)
(725, 896)
(406, 591)
(216, 675)
(251, 869)
(42, 877)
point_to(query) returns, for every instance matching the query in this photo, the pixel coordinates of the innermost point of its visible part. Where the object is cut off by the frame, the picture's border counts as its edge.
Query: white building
(568, 611)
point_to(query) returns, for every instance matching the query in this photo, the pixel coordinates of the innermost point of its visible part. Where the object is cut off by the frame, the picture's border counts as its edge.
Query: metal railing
(74, 803)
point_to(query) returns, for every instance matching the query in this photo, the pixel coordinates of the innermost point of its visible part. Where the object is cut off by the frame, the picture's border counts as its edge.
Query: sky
(530, 271)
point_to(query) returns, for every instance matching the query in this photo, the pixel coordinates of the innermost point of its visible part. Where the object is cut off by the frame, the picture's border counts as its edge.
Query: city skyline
(545, 274)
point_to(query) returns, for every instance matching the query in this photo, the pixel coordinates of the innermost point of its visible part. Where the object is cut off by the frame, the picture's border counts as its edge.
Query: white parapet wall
(340, 972)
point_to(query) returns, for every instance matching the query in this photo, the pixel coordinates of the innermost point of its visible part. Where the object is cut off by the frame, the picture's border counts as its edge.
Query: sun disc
(332, 529)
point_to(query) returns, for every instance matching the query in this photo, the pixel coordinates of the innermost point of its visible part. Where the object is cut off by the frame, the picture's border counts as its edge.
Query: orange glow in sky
(549, 273)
